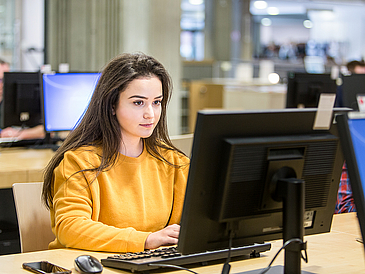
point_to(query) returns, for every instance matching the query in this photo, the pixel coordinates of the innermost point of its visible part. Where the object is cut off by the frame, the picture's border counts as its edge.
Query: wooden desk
(335, 252)
(22, 165)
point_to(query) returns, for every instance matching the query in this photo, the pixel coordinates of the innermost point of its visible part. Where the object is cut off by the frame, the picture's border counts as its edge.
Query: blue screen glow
(66, 97)
(357, 129)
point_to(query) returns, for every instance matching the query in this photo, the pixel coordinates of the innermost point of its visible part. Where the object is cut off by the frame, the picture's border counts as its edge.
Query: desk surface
(335, 252)
(22, 165)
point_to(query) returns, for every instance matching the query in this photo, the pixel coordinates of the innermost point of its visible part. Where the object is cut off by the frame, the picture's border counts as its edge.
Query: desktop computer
(304, 89)
(254, 176)
(352, 86)
(21, 100)
(352, 135)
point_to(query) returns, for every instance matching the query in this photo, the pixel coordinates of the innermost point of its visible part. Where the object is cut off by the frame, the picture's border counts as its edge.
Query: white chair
(33, 217)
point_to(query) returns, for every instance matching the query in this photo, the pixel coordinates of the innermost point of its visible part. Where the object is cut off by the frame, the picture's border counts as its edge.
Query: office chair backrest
(33, 217)
(183, 142)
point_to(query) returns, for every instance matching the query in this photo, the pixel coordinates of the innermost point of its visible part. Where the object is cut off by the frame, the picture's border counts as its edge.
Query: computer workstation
(352, 134)
(245, 169)
(27, 103)
(352, 91)
(304, 89)
(55, 100)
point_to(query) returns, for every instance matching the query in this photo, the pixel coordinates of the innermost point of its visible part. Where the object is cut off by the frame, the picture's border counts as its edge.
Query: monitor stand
(291, 192)
(48, 143)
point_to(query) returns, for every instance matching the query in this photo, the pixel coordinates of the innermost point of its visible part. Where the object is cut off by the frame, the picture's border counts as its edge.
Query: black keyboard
(153, 259)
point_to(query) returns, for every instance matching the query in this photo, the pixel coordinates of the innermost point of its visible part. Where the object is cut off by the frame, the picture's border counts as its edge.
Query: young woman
(117, 183)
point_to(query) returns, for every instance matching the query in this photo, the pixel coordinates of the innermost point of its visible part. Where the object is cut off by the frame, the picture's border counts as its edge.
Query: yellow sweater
(121, 207)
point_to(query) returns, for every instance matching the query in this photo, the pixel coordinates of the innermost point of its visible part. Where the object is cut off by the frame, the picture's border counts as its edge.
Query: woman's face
(139, 108)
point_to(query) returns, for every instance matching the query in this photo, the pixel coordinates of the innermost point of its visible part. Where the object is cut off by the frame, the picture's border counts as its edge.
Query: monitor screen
(21, 100)
(65, 98)
(352, 86)
(352, 135)
(304, 89)
(236, 157)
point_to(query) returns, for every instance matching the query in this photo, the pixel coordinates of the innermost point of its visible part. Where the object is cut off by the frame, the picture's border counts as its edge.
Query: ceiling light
(307, 24)
(196, 2)
(266, 22)
(273, 10)
(274, 78)
(260, 5)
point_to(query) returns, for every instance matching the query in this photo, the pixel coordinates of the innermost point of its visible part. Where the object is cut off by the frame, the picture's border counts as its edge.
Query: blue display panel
(65, 98)
(357, 130)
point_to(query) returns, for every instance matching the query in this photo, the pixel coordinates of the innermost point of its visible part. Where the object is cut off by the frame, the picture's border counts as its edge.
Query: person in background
(356, 67)
(353, 67)
(36, 132)
(117, 183)
(345, 200)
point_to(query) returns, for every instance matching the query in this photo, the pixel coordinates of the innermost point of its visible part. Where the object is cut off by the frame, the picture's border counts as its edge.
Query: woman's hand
(167, 236)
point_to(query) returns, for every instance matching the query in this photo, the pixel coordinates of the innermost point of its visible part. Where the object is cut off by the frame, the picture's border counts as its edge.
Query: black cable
(284, 246)
(173, 266)
(227, 267)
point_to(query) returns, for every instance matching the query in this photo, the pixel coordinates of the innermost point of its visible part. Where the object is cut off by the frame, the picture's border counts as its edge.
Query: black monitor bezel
(300, 80)
(352, 85)
(204, 167)
(352, 165)
(9, 117)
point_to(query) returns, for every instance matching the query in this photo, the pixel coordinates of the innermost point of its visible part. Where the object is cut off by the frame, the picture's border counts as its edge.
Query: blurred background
(221, 42)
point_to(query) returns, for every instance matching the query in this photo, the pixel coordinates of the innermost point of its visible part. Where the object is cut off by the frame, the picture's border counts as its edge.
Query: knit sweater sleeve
(76, 208)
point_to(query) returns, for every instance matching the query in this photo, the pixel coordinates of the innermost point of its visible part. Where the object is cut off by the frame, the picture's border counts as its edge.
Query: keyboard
(153, 259)
(8, 139)
(14, 142)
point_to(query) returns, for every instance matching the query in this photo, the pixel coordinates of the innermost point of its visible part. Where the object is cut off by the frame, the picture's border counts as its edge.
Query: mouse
(86, 264)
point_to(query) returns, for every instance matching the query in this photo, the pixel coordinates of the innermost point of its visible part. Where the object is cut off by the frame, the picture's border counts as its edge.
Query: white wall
(345, 25)
(31, 35)
(282, 34)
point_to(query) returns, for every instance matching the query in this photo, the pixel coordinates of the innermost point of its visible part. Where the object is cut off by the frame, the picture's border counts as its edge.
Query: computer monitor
(304, 89)
(65, 97)
(239, 162)
(351, 128)
(21, 100)
(352, 86)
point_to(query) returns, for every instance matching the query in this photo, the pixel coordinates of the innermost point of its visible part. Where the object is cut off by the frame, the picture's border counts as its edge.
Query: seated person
(356, 67)
(345, 201)
(36, 132)
(353, 67)
(117, 183)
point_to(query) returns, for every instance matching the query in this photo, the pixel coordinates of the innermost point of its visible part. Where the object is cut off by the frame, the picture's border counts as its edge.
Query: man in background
(345, 201)
(356, 67)
(36, 132)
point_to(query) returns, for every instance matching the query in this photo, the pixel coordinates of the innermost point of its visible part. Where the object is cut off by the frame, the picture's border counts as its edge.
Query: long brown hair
(100, 128)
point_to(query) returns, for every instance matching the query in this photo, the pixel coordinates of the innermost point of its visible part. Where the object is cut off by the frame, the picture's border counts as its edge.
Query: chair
(183, 142)
(33, 217)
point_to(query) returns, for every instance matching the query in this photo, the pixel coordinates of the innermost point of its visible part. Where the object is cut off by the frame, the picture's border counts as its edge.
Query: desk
(335, 252)
(233, 95)
(22, 165)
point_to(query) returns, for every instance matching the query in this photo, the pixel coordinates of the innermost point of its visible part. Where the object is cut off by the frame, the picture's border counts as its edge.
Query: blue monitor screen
(65, 98)
(357, 129)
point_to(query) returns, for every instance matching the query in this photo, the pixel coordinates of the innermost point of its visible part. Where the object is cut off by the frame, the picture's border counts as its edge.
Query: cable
(173, 266)
(284, 246)
(227, 267)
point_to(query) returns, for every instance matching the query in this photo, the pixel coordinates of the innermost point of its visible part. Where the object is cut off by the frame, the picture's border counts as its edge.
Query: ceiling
(302, 6)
